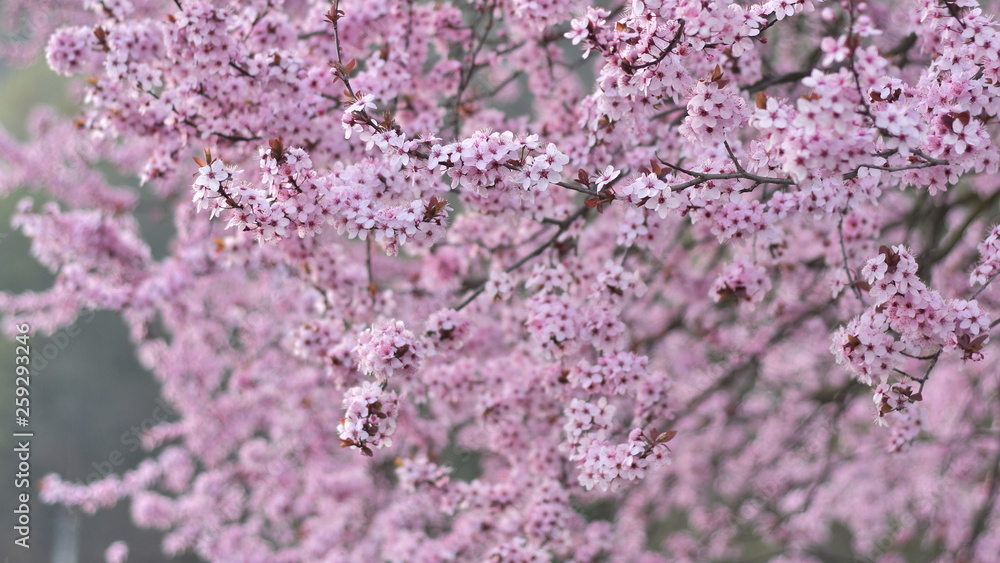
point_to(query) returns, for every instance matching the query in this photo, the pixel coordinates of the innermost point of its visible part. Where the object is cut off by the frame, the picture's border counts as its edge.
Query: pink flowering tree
(535, 280)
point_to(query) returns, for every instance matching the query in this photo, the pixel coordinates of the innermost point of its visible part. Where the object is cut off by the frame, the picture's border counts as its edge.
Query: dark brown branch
(241, 70)
(666, 51)
(236, 138)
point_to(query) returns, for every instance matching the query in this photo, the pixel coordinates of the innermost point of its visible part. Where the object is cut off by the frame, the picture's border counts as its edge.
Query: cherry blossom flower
(388, 349)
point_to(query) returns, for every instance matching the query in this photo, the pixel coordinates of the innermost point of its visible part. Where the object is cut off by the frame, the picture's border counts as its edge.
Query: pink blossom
(557, 305)
(388, 349)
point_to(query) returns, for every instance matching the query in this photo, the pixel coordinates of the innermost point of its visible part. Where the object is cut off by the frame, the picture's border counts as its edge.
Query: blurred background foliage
(89, 394)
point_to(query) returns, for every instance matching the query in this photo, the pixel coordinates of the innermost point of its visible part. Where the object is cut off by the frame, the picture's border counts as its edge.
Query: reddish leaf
(666, 436)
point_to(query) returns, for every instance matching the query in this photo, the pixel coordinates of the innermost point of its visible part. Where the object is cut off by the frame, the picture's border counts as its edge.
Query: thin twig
(666, 51)
(372, 288)
(577, 188)
(241, 70)
(564, 225)
(847, 268)
(236, 138)
(985, 285)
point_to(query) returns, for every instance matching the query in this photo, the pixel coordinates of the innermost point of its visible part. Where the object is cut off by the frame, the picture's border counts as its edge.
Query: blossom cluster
(447, 331)
(371, 418)
(989, 252)
(293, 199)
(743, 282)
(906, 319)
(494, 244)
(388, 350)
(606, 465)
(501, 161)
